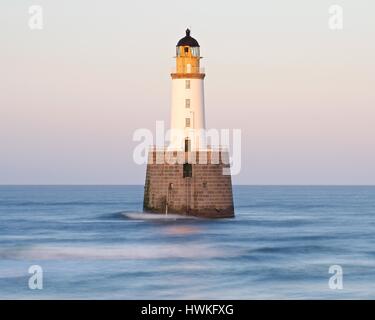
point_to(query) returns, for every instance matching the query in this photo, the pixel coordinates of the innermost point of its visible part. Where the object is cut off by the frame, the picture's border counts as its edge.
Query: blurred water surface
(93, 242)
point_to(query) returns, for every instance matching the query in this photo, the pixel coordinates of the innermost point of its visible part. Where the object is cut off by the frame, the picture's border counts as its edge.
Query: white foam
(155, 216)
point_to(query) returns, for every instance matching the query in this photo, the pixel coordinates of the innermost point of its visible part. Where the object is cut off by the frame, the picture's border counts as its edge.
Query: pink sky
(72, 94)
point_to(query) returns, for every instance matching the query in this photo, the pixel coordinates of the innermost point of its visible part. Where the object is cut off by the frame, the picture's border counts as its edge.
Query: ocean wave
(61, 203)
(287, 250)
(122, 252)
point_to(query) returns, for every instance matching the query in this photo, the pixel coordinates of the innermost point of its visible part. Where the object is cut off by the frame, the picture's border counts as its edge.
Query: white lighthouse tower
(194, 184)
(187, 103)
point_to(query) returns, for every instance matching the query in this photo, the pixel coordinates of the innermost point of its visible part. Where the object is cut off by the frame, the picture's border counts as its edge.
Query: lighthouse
(187, 105)
(188, 176)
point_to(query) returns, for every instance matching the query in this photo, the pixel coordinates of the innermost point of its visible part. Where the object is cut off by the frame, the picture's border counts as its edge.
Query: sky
(73, 93)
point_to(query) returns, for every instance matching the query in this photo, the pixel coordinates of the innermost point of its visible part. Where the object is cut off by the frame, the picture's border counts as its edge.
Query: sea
(94, 242)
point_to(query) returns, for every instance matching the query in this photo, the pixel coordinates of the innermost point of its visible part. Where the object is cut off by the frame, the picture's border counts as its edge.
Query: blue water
(280, 245)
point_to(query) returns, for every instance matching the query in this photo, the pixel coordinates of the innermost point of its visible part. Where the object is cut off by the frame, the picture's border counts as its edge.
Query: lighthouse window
(187, 122)
(187, 84)
(195, 51)
(187, 103)
(187, 145)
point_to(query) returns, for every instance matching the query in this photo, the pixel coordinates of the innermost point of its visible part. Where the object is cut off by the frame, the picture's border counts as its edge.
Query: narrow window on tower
(187, 145)
(187, 84)
(187, 122)
(187, 103)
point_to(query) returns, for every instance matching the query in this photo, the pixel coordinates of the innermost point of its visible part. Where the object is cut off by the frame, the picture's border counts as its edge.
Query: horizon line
(238, 184)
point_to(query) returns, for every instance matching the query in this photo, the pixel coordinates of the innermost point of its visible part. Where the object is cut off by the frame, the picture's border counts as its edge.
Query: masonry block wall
(197, 189)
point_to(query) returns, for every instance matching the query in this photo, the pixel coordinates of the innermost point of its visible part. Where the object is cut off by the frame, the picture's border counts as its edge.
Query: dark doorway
(188, 170)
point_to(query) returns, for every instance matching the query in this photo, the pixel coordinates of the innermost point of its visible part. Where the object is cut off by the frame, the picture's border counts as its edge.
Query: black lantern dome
(188, 40)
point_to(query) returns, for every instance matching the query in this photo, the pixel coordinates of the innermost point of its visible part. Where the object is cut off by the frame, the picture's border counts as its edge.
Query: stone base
(198, 189)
